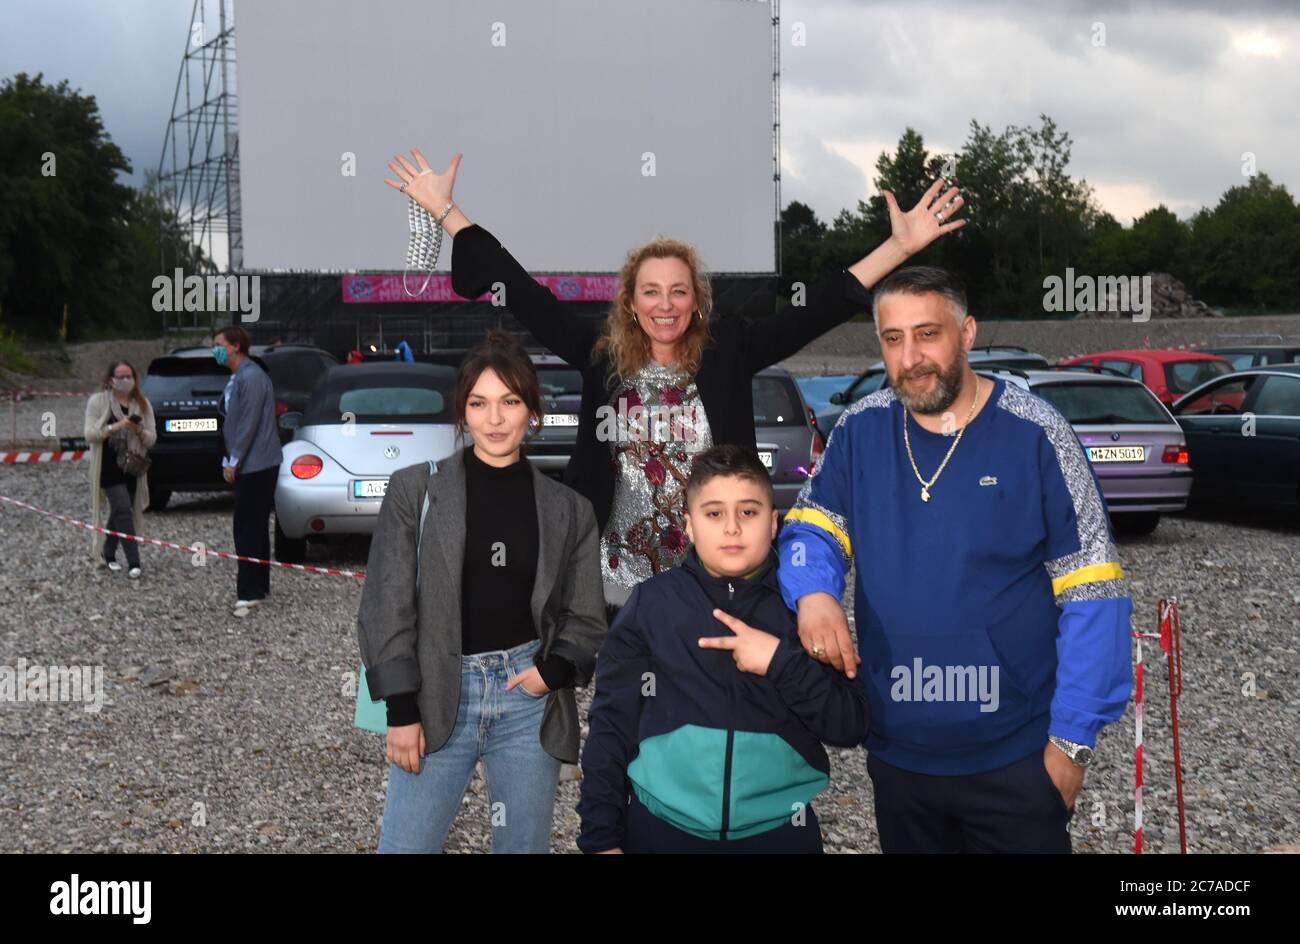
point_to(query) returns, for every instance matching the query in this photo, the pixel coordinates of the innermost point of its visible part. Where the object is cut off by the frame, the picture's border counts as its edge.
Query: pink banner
(362, 289)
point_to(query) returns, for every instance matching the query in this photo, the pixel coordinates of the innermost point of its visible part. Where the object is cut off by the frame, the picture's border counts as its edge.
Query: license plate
(369, 488)
(765, 457)
(196, 425)
(1117, 453)
(560, 419)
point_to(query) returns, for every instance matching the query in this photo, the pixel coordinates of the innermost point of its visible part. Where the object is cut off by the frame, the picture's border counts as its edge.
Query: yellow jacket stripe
(819, 520)
(1090, 574)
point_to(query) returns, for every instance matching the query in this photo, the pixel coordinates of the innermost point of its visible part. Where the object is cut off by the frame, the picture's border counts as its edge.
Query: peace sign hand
(752, 649)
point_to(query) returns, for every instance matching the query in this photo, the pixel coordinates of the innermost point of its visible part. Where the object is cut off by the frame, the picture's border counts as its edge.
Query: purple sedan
(1137, 449)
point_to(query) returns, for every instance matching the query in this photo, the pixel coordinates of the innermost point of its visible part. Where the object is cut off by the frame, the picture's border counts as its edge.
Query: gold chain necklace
(925, 486)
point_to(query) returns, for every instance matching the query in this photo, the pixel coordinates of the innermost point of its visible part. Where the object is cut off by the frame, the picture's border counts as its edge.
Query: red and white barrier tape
(15, 394)
(157, 542)
(14, 458)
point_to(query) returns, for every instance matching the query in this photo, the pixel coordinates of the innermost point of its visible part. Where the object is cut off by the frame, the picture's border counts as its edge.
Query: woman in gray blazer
(476, 649)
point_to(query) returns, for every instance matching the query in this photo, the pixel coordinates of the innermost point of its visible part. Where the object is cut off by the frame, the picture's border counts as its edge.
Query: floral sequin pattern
(655, 426)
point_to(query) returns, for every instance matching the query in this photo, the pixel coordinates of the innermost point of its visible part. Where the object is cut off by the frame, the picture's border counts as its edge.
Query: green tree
(70, 233)
(1246, 251)
(61, 206)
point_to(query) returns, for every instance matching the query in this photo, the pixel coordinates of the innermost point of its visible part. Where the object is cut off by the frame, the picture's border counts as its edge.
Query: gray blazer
(414, 646)
(252, 439)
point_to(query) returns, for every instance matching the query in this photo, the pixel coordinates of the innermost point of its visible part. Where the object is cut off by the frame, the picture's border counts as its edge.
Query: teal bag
(373, 715)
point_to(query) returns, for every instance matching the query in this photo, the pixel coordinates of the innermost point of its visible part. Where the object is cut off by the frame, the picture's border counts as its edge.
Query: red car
(1167, 373)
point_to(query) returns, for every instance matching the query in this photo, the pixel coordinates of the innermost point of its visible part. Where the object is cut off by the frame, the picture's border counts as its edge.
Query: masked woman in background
(120, 430)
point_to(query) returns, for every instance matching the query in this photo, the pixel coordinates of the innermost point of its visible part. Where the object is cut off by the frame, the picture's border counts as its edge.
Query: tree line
(1029, 219)
(72, 236)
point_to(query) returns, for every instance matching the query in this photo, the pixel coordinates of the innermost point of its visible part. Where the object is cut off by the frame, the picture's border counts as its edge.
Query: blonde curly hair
(625, 343)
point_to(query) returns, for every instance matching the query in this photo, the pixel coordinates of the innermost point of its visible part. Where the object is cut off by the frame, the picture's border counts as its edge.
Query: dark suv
(185, 388)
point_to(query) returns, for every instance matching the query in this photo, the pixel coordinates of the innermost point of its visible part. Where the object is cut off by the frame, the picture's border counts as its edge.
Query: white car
(361, 424)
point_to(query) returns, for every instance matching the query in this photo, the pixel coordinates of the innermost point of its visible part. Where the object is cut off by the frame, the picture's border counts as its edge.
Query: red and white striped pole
(1137, 729)
(1171, 643)
(1169, 639)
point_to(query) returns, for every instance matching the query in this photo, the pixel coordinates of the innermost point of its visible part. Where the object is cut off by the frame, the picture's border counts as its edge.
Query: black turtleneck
(500, 566)
(498, 573)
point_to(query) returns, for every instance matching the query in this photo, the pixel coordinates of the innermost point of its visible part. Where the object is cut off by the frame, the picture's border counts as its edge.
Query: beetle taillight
(306, 467)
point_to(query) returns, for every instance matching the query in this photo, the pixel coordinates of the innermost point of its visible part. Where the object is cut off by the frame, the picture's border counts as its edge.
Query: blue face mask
(219, 354)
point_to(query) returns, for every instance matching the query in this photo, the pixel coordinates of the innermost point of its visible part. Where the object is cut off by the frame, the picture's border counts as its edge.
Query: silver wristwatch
(1081, 754)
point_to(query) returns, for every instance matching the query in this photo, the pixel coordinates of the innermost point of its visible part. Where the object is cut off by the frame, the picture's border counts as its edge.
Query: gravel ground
(223, 734)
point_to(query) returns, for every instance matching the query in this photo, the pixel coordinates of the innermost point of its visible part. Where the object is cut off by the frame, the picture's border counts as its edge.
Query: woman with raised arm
(660, 382)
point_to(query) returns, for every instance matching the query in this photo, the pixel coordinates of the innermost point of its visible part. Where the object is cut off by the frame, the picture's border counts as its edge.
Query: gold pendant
(925, 493)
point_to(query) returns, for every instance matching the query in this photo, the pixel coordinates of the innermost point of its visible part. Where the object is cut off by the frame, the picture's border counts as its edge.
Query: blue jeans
(504, 729)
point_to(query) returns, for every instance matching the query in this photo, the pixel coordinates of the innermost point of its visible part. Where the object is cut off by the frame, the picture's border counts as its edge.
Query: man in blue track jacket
(991, 611)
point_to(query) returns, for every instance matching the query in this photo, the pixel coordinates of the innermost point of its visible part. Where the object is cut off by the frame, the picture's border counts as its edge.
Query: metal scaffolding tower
(198, 172)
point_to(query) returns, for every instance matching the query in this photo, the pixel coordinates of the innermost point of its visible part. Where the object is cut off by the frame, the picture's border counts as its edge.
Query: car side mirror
(290, 420)
(838, 398)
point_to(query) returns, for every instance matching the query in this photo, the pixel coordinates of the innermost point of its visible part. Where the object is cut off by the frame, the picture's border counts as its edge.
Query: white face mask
(123, 384)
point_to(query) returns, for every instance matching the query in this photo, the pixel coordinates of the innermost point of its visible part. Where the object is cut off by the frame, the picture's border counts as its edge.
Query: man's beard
(947, 386)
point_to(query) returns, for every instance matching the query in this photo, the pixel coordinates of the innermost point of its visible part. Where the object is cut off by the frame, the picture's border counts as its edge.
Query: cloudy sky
(1161, 112)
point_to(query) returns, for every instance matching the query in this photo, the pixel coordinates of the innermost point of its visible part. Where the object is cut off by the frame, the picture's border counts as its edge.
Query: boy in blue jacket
(707, 724)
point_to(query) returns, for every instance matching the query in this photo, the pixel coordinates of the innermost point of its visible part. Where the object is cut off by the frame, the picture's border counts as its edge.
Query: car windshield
(872, 382)
(298, 371)
(774, 403)
(559, 381)
(372, 398)
(1103, 403)
(1184, 376)
(184, 378)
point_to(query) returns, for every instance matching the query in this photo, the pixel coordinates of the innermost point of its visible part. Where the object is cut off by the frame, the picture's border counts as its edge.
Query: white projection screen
(556, 106)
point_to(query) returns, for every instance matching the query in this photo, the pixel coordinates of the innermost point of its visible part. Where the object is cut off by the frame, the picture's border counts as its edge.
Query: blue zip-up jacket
(716, 752)
(987, 618)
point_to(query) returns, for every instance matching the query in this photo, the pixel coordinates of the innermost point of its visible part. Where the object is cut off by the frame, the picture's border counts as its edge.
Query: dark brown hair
(236, 336)
(728, 460)
(500, 352)
(136, 394)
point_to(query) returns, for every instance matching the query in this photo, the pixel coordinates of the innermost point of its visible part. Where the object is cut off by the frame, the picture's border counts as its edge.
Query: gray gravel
(247, 723)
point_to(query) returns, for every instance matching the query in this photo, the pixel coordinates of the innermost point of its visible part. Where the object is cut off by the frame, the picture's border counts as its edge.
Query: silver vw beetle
(361, 423)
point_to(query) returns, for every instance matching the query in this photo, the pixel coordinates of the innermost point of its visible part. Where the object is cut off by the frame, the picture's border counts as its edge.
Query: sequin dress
(655, 426)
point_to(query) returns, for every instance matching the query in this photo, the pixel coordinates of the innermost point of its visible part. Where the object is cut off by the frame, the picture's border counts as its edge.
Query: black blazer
(741, 348)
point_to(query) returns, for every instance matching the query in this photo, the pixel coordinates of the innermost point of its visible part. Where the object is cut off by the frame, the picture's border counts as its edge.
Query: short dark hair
(728, 460)
(235, 335)
(921, 280)
(501, 352)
